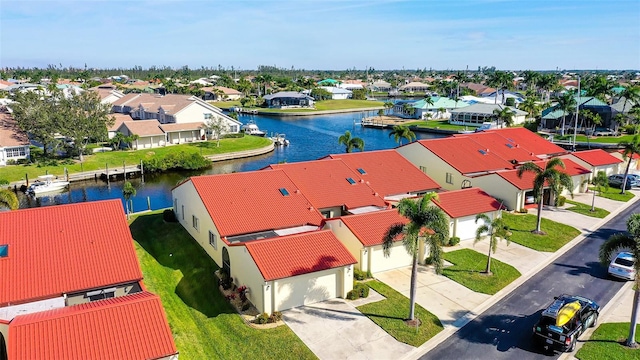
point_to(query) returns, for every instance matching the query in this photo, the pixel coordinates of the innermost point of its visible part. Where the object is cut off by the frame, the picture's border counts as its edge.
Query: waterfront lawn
(614, 194)
(225, 105)
(607, 342)
(326, 105)
(438, 124)
(391, 313)
(115, 159)
(585, 209)
(521, 225)
(203, 324)
(468, 266)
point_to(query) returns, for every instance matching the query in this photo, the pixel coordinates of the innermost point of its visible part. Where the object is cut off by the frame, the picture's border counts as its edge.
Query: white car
(622, 266)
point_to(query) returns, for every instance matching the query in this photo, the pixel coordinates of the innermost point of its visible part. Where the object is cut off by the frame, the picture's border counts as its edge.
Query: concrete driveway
(335, 329)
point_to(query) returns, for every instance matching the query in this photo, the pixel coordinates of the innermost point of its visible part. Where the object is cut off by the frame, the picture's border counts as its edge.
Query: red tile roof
(596, 157)
(506, 149)
(371, 227)
(143, 128)
(571, 167)
(325, 183)
(10, 134)
(465, 155)
(387, 172)
(287, 256)
(248, 202)
(466, 202)
(633, 156)
(530, 141)
(62, 249)
(182, 127)
(119, 119)
(526, 182)
(129, 327)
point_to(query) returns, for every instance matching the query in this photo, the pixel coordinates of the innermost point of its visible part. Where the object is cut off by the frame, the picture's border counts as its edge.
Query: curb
(474, 313)
(604, 315)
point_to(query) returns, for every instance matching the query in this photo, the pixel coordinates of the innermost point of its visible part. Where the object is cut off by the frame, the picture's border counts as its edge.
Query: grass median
(203, 323)
(115, 159)
(607, 342)
(391, 313)
(468, 266)
(614, 194)
(557, 235)
(585, 209)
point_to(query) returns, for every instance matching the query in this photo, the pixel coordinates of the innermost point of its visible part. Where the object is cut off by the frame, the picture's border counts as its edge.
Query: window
(351, 181)
(423, 169)
(207, 116)
(233, 128)
(175, 206)
(4, 250)
(15, 152)
(449, 178)
(212, 240)
(284, 192)
(195, 222)
(182, 212)
(361, 171)
(101, 294)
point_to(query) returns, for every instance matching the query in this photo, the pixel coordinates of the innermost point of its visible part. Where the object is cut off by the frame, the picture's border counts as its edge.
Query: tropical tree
(351, 142)
(400, 132)
(495, 229)
(9, 199)
(380, 113)
(409, 109)
(631, 94)
(629, 149)
(531, 107)
(551, 176)
(566, 103)
(39, 117)
(530, 78)
(629, 241)
(216, 126)
(388, 105)
(599, 86)
(441, 112)
(547, 83)
(502, 81)
(426, 223)
(503, 116)
(601, 183)
(127, 192)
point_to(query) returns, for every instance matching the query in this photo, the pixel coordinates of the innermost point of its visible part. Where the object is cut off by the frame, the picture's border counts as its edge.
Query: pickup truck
(564, 321)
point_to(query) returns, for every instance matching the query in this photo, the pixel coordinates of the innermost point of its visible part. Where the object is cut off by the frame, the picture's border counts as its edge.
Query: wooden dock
(124, 173)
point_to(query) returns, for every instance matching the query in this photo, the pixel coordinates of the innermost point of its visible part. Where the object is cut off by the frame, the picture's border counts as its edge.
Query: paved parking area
(335, 329)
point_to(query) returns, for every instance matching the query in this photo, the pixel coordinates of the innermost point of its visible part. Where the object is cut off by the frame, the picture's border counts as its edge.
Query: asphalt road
(504, 330)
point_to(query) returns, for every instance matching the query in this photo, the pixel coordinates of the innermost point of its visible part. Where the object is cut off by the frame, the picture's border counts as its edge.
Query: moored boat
(46, 183)
(251, 128)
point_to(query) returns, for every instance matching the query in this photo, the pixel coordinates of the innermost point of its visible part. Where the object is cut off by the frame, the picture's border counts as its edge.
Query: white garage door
(466, 228)
(306, 289)
(398, 257)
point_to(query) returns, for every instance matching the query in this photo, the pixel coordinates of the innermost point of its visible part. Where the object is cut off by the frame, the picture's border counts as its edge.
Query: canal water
(311, 137)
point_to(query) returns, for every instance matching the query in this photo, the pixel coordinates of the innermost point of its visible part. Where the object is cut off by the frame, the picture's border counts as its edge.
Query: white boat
(280, 139)
(46, 183)
(251, 128)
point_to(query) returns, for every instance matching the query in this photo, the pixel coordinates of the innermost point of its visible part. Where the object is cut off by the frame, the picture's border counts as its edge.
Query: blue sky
(307, 34)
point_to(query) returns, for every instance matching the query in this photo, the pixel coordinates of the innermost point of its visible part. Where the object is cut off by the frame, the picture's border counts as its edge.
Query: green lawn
(390, 314)
(115, 159)
(467, 268)
(439, 124)
(605, 343)
(203, 324)
(596, 139)
(225, 104)
(585, 209)
(614, 194)
(522, 224)
(323, 105)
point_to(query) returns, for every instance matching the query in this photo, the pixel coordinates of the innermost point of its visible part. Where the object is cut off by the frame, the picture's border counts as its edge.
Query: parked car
(564, 321)
(636, 177)
(616, 181)
(623, 266)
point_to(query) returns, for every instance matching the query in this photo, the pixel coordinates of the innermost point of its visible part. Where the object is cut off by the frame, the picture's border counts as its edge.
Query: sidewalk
(521, 258)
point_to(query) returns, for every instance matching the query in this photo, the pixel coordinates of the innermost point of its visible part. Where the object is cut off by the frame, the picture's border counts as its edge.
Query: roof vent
(362, 180)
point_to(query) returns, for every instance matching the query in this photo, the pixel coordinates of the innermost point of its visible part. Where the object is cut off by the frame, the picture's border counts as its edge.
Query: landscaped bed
(390, 314)
(468, 266)
(203, 323)
(585, 209)
(607, 343)
(557, 235)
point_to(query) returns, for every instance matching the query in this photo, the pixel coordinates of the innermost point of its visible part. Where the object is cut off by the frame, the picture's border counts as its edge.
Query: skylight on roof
(509, 146)
(361, 171)
(284, 192)
(482, 152)
(351, 181)
(4, 251)
(510, 140)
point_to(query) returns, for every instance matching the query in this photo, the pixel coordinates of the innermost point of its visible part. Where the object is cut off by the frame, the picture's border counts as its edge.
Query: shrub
(233, 136)
(242, 291)
(169, 216)
(176, 161)
(230, 297)
(454, 240)
(12, 162)
(359, 274)
(560, 201)
(630, 129)
(369, 275)
(428, 260)
(510, 101)
(524, 211)
(262, 318)
(353, 295)
(246, 306)
(531, 125)
(225, 281)
(362, 290)
(275, 317)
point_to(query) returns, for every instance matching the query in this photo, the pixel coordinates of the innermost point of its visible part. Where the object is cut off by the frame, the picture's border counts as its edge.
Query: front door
(226, 263)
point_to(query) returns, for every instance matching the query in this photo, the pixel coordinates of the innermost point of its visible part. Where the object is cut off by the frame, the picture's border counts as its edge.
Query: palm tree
(629, 148)
(600, 182)
(551, 176)
(630, 94)
(427, 223)
(566, 103)
(388, 105)
(496, 229)
(547, 83)
(351, 142)
(530, 106)
(127, 192)
(9, 199)
(400, 132)
(409, 109)
(530, 78)
(628, 241)
(503, 116)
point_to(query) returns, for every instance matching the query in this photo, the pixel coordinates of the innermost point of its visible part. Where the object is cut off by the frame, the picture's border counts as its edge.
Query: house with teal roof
(440, 109)
(552, 116)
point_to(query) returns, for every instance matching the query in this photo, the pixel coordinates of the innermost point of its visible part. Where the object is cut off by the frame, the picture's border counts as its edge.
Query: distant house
(596, 160)
(552, 116)
(352, 85)
(108, 93)
(221, 93)
(92, 303)
(14, 144)
(414, 86)
(119, 119)
(380, 86)
(183, 132)
(476, 114)
(440, 109)
(478, 89)
(288, 99)
(338, 93)
(150, 135)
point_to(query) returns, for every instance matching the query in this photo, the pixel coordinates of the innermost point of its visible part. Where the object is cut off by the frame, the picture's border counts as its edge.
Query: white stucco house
(338, 93)
(14, 144)
(596, 160)
(478, 113)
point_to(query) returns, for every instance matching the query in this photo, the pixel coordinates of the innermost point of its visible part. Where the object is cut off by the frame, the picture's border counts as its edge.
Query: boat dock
(382, 122)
